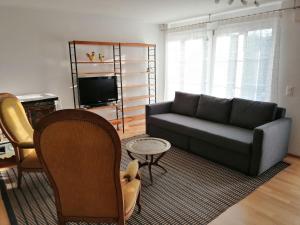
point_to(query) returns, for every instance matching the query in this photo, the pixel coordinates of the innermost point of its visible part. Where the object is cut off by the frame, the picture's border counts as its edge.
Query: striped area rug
(193, 191)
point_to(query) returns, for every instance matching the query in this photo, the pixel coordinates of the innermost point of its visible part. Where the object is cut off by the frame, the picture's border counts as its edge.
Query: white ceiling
(150, 11)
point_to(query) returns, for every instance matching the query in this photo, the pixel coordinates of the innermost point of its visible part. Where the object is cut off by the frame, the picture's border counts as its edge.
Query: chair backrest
(13, 120)
(81, 153)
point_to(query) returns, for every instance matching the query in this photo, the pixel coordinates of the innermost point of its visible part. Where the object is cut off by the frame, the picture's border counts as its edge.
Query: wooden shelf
(133, 108)
(123, 61)
(135, 60)
(93, 42)
(137, 45)
(111, 43)
(106, 107)
(112, 62)
(137, 86)
(110, 73)
(128, 119)
(116, 121)
(99, 72)
(95, 74)
(135, 117)
(136, 98)
(96, 62)
(137, 123)
(128, 74)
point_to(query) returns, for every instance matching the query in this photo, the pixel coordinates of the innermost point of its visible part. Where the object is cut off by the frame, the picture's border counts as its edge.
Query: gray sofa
(249, 136)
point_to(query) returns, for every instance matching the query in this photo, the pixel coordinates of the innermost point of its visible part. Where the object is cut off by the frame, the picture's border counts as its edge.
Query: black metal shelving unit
(117, 56)
(117, 62)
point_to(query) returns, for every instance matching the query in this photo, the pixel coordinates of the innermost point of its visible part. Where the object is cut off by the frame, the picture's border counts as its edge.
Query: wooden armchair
(81, 153)
(16, 127)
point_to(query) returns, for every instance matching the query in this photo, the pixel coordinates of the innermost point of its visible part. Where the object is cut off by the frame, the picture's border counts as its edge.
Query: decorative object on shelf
(125, 110)
(101, 57)
(91, 56)
(244, 2)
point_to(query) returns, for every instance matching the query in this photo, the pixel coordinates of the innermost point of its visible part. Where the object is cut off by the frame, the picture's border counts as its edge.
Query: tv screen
(97, 90)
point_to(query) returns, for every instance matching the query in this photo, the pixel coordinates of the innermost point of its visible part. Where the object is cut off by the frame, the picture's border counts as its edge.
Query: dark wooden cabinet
(37, 110)
(38, 106)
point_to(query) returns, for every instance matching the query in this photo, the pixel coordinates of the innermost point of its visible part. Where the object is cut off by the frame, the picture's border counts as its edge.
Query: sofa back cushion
(250, 114)
(185, 103)
(280, 113)
(214, 109)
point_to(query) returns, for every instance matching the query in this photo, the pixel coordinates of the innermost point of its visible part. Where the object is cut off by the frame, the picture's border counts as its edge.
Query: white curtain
(187, 66)
(233, 60)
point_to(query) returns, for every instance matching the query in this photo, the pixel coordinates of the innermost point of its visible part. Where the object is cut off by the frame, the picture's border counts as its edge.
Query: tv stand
(97, 105)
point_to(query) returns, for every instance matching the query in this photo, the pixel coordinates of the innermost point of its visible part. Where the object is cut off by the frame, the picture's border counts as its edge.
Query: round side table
(149, 147)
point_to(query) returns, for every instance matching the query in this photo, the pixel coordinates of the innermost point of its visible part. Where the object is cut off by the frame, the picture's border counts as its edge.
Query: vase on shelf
(101, 57)
(91, 56)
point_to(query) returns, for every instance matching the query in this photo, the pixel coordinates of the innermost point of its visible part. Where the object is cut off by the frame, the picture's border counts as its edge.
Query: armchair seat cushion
(222, 135)
(130, 194)
(31, 160)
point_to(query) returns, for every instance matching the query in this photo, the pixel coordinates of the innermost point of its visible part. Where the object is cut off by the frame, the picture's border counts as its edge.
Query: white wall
(289, 74)
(34, 47)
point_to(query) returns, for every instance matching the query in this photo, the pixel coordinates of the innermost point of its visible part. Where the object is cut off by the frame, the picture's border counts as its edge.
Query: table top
(148, 146)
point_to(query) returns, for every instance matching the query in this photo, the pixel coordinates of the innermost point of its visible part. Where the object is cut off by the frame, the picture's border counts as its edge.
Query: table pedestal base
(150, 162)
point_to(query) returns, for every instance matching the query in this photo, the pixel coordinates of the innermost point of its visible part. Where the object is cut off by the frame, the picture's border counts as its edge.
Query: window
(186, 63)
(236, 61)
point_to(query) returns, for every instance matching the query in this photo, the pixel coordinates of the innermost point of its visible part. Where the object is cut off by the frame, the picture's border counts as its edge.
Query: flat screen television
(97, 90)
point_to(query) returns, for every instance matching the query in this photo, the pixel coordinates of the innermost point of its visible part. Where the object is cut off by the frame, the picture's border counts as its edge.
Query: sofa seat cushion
(222, 135)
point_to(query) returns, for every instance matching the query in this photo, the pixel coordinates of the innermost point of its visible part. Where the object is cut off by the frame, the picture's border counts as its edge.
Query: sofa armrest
(270, 145)
(158, 108)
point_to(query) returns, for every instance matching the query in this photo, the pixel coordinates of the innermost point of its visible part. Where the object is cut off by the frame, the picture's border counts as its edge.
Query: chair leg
(121, 221)
(138, 202)
(62, 222)
(19, 178)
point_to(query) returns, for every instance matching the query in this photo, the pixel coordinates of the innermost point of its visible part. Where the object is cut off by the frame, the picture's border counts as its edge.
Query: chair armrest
(270, 145)
(27, 144)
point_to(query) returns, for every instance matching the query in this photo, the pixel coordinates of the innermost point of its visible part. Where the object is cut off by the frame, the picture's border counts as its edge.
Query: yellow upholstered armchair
(81, 153)
(16, 127)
